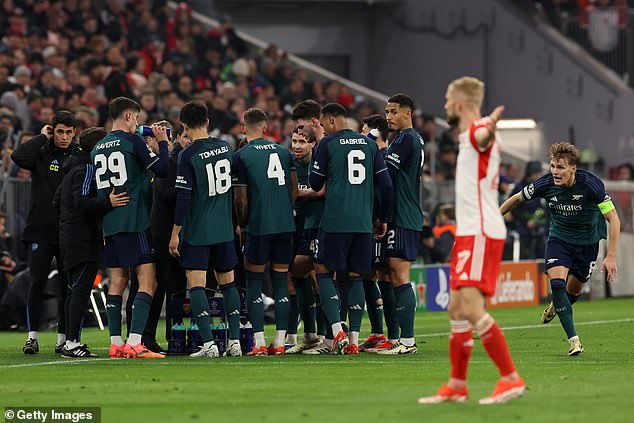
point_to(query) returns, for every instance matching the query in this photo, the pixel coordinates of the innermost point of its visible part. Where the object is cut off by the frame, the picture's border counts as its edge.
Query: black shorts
(340, 252)
(128, 249)
(379, 260)
(579, 259)
(401, 242)
(306, 243)
(220, 257)
(278, 248)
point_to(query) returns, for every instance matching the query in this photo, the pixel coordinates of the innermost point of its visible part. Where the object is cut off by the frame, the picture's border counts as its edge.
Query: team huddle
(341, 205)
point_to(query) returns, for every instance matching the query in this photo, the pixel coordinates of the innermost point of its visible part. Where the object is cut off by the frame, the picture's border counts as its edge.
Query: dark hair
(118, 106)
(64, 117)
(403, 100)
(334, 110)
(194, 114)
(306, 109)
(254, 116)
(179, 131)
(379, 122)
(91, 136)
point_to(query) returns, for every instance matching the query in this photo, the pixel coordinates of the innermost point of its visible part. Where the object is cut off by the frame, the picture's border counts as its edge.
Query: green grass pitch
(596, 386)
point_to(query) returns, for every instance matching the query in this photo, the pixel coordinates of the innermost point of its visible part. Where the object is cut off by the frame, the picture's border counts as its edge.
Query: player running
(579, 207)
(477, 252)
(203, 232)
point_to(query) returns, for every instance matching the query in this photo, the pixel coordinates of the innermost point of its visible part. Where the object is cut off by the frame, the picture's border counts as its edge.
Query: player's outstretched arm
(609, 262)
(511, 202)
(485, 134)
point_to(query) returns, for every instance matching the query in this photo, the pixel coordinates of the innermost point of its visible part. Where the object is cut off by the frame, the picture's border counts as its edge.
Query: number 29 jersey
(121, 161)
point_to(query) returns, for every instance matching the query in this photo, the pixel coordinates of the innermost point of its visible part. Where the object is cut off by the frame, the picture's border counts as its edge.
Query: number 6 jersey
(349, 162)
(121, 161)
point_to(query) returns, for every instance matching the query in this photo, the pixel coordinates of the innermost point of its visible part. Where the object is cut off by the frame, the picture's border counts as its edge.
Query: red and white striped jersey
(477, 178)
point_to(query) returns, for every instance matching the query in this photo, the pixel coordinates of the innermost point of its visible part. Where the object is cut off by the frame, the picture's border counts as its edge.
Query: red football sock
(495, 345)
(460, 346)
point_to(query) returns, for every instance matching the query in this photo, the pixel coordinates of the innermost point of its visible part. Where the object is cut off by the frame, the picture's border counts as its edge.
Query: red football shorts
(475, 261)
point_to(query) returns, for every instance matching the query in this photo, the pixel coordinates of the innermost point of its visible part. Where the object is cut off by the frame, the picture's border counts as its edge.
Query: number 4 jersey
(265, 169)
(121, 161)
(204, 168)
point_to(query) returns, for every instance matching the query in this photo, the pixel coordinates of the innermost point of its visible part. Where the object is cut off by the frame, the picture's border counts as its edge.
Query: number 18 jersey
(204, 168)
(121, 161)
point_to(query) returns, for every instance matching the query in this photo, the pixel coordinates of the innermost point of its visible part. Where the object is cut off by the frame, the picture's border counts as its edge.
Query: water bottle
(246, 338)
(176, 344)
(146, 131)
(194, 341)
(220, 337)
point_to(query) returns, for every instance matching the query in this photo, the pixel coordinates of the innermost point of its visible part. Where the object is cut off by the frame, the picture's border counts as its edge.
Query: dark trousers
(40, 258)
(80, 281)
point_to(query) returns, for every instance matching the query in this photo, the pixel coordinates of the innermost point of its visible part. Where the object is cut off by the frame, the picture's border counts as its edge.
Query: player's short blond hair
(566, 151)
(471, 88)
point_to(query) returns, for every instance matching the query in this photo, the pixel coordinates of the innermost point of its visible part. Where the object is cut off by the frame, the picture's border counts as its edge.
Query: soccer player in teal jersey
(350, 164)
(121, 161)
(203, 232)
(381, 297)
(265, 187)
(302, 266)
(306, 117)
(405, 157)
(579, 207)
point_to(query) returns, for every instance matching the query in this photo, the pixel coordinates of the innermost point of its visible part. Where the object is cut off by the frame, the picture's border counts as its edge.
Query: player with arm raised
(579, 207)
(477, 252)
(350, 164)
(121, 161)
(265, 187)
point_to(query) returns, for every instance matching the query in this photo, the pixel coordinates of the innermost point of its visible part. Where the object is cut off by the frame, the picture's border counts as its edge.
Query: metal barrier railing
(15, 201)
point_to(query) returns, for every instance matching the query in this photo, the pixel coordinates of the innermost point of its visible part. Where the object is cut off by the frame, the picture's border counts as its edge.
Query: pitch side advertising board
(519, 284)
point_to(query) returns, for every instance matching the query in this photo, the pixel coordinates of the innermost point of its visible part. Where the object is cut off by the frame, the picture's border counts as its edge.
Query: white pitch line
(46, 363)
(542, 326)
(197, 362)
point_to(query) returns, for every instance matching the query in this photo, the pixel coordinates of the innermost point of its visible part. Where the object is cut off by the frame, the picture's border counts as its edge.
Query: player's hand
(153, 144)
(173, 246)
(118, 200)
(495, 116)
(609, 265)
(160, 132)
(47, 131)
(380, 230)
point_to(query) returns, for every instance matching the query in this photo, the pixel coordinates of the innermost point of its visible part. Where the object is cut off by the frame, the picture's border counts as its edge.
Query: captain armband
(606, 207)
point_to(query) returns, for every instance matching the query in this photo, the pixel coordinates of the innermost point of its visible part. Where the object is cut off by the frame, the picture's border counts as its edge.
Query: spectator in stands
(625, 172)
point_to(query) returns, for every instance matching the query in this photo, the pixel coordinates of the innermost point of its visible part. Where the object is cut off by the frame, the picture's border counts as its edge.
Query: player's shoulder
(186, 153)
(589, 181)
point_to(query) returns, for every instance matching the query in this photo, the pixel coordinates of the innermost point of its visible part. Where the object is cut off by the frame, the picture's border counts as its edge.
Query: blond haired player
(477, 252)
